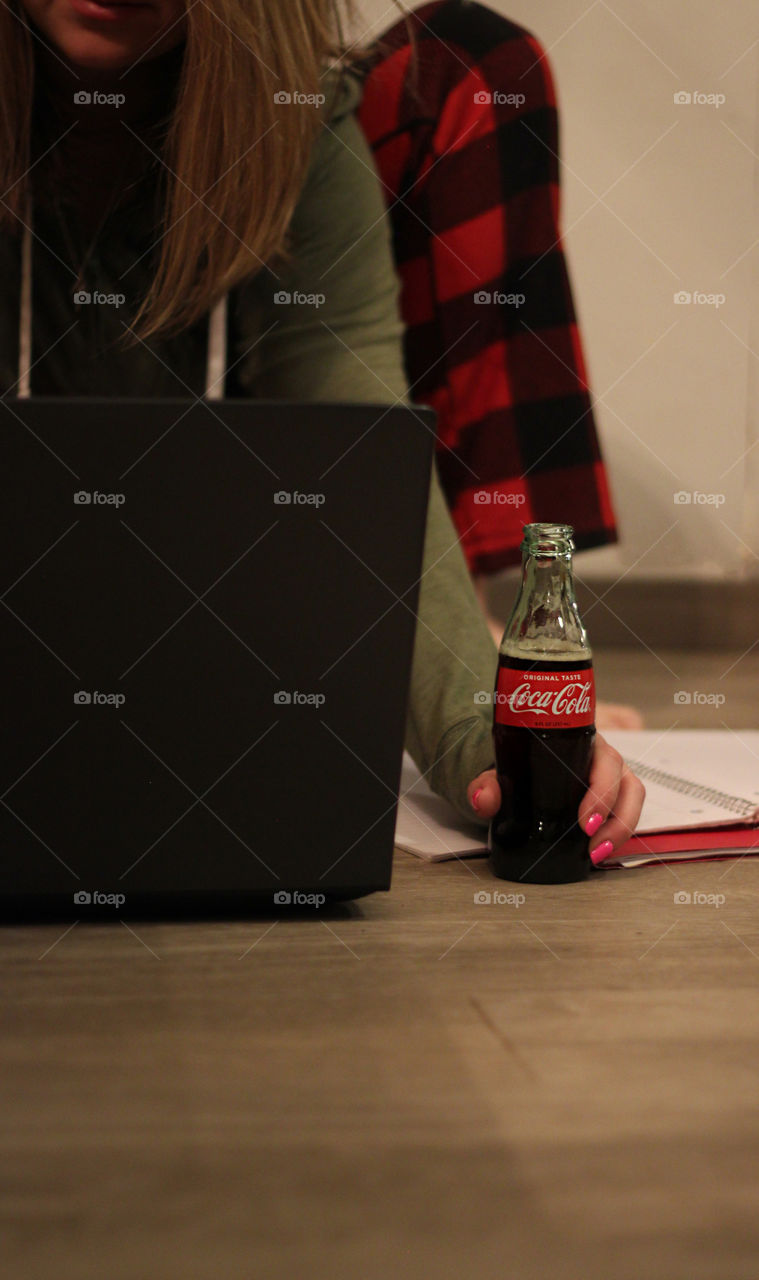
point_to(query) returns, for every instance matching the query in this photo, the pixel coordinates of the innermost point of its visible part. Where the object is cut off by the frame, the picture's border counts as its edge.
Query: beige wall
(657, 198)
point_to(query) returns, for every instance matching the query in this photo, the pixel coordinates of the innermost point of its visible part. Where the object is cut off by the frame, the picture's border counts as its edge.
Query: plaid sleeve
(465, 139)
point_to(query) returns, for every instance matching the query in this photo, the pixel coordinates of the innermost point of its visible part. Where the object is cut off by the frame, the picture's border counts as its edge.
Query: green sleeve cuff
(465, 751)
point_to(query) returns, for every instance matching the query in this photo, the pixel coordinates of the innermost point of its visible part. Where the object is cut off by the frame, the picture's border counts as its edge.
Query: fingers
(622, 822)
(484, 794)
(610, 809)
(603, 784)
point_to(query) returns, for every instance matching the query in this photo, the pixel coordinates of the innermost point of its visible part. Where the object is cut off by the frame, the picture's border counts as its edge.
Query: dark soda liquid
(535, 836)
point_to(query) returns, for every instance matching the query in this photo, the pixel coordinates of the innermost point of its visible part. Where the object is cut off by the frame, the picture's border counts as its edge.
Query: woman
(167, 157)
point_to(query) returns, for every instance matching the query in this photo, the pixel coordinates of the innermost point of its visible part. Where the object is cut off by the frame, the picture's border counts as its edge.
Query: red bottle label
(545, 699)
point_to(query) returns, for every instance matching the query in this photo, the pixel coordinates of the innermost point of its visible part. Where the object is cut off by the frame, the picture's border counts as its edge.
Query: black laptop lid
(206, 632)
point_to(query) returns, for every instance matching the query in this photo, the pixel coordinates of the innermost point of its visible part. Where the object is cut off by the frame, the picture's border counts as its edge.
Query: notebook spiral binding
(733, 804)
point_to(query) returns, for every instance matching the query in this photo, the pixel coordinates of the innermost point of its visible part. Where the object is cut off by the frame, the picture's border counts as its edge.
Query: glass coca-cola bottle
(543, 721)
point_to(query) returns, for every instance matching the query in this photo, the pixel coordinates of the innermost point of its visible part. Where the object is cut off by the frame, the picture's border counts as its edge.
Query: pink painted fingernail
(593, 823)
(603, 851)
(477, 793)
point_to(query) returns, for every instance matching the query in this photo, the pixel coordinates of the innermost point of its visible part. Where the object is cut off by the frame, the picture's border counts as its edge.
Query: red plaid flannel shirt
(471, 176)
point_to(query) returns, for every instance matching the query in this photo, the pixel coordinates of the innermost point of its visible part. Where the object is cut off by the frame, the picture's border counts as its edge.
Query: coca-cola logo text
(545, 699)
(572, 699)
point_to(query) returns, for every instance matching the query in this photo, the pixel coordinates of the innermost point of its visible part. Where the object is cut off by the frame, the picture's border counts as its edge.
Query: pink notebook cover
(739, 838)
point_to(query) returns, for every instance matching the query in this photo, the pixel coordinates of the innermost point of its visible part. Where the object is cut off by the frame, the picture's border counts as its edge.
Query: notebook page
(430, 827)
(699, 762)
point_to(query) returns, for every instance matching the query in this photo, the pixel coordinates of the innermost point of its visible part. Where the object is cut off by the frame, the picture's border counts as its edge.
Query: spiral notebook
(702, 801)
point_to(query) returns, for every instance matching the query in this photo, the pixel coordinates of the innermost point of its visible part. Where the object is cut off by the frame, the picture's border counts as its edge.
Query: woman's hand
(609, 810)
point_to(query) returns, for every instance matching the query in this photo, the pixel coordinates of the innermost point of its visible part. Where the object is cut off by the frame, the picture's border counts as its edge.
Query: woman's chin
(90, 52)
(116, 47)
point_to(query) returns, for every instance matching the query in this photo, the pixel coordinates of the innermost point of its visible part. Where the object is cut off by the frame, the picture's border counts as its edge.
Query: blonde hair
(229, 141)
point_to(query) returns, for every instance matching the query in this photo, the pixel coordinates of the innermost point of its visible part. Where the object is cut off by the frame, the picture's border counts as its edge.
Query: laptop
(207, 630)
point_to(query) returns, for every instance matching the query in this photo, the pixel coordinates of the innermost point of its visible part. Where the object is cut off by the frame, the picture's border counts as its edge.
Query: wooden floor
(414, 1085)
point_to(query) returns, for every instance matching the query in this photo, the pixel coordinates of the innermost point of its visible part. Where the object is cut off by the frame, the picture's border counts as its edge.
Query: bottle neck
(545, 619)
(548, 579)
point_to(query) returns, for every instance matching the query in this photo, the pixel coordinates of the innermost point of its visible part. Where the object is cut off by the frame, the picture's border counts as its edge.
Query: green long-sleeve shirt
(346, 348)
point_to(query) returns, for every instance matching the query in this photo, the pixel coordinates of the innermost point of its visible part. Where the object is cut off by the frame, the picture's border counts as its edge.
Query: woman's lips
(120, 11)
